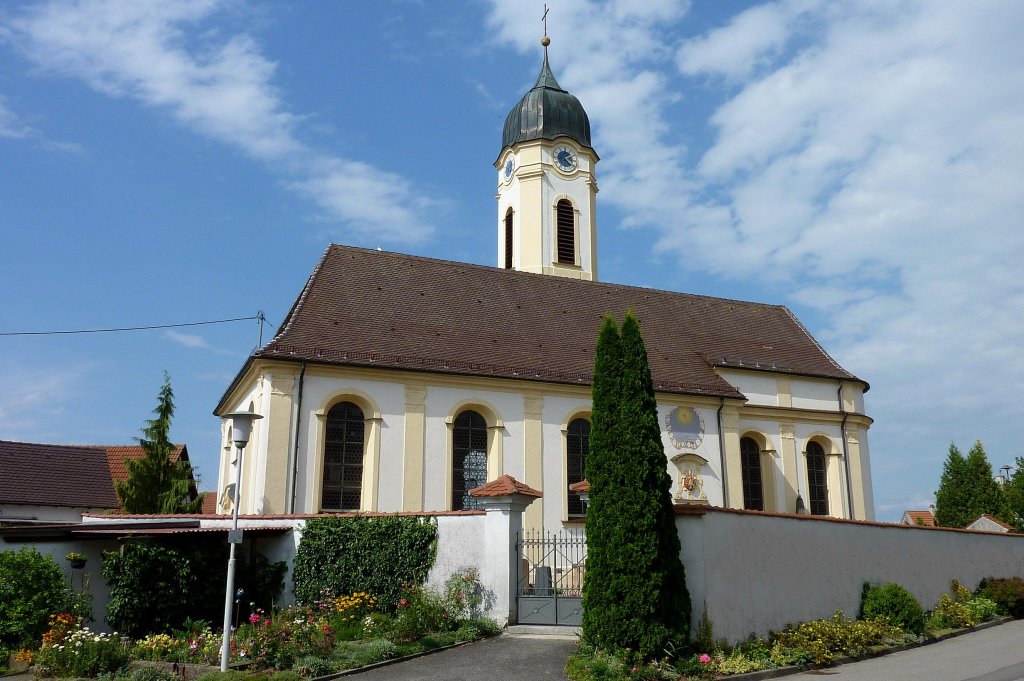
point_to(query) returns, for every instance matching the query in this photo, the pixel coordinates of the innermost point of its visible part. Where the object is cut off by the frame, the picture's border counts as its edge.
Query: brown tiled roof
(55, 475)
(580, 487)
(925, 517)
(374, 308)
(504, 486)
(991, 518)
(116, 455)
(209, 503)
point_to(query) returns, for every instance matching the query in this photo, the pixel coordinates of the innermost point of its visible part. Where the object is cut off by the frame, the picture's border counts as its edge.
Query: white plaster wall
(708, 448)
(508, 196)
(556, 411)
(460, 544)
(59, 514)
(440, 401)
(390, 399)
(759, 388)
(757, 573)
(815, 394)
(226, 472)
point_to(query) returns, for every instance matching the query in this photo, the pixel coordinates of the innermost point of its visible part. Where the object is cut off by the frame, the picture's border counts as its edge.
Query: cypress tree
(156, 483)
(951, 499)
(635, 596)
(1014, 492)
(986, 495)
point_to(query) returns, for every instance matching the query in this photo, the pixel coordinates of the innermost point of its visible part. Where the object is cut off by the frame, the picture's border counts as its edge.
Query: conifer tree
(1014, 492)
(968, 489)
(951, 499)
(156, 483)
(635, 595)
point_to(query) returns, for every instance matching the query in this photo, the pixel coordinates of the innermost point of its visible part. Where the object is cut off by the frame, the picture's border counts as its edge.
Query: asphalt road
(995, 654)
(503, 658)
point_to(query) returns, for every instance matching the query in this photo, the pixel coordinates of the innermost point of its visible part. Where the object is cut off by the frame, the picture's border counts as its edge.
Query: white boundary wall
(757, 572)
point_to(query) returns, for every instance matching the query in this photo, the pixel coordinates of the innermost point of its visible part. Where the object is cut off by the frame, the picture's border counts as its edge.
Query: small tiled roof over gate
(375, 308)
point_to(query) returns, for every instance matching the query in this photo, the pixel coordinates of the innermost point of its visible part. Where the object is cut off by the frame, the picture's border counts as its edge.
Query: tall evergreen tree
(156, 483)
(635, 593)
(968, 489)
(951, 499)
(1014, 492)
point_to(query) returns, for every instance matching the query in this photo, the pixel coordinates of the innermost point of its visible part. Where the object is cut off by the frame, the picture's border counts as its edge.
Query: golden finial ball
(545, 41)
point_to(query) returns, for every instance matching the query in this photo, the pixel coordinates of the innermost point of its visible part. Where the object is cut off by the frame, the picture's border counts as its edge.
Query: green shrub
(895, 603)
(1007, 593)
(420, 612)
(982, 609)
(32, 587)
(375, 555)
(961, 609)
(470, 630)
(826, 639)
(83, 653)
(312, 666)
(229, 675)
(152, 673)
(351, 655)
(286, 676)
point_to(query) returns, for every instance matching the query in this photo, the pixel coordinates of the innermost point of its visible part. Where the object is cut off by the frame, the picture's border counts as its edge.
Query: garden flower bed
(897, 623)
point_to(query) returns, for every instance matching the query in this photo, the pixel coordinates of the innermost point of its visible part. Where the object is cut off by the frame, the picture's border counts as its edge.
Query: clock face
(565, 159)
(509, 167)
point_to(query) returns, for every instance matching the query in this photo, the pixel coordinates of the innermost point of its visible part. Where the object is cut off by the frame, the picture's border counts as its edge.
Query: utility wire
(258, 316)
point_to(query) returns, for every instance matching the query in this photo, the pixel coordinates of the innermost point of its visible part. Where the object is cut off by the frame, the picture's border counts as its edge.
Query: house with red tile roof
(58, 483)
(398, 382)
(925, 518)
(989, 523)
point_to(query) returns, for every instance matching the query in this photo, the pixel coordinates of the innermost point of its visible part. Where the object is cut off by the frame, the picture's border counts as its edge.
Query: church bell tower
(547, 209)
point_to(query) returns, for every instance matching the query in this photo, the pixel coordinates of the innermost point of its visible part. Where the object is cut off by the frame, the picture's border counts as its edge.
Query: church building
(399, 383)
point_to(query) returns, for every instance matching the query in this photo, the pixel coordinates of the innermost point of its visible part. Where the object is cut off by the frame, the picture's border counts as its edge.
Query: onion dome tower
(547, 211)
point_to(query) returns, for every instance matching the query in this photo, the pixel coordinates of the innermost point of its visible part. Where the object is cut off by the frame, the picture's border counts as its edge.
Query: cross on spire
(545, 19)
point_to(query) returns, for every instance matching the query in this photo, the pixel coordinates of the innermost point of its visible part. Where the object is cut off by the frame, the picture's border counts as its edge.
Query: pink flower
(254, 618)
(704, 659)
(402, 603)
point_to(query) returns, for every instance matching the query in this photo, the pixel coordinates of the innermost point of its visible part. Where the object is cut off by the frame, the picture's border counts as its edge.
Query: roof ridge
(822, 349)
(561, 280)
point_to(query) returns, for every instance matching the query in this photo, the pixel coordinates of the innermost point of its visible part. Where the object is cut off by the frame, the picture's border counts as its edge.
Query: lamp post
(241, 427)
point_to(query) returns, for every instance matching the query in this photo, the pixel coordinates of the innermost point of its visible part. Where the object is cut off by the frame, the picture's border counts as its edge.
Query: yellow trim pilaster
(275, 490)
(790, 472)
(856, 473)
(412, 462)
(533, 453)
(733, 469)
(785, 391)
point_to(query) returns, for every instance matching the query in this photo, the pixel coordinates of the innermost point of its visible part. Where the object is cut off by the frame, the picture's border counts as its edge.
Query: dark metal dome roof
(546, 112)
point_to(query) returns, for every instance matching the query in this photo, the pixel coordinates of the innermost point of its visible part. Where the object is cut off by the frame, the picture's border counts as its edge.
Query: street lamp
(241, 427)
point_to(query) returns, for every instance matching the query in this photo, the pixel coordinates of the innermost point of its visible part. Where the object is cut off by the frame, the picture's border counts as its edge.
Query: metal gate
(550, 577)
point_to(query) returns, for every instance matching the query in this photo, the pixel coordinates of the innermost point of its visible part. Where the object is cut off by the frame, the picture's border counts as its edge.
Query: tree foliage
(32, 587)
(1014, 492)
(635, 595)
(157, 483)
(968, 489)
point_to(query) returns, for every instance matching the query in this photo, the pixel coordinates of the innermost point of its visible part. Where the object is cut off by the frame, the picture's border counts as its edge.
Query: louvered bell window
(577, 444)
(817, 481)
(750, 466)
(566, 232)
(469, 459)
(508, 239)
(343, 458)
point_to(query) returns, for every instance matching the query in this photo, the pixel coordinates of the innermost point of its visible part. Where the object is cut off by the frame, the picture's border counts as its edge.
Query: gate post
(504, 499)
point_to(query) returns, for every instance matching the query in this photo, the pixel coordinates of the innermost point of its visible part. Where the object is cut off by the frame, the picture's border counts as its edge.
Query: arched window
(750, 465)
(508, 239)
(566, 232)
(577, 444)
(343, 458)
(817, 482)
(469, 459)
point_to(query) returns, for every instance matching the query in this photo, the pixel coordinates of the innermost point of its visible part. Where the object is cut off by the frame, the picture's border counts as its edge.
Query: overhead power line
(258, 316)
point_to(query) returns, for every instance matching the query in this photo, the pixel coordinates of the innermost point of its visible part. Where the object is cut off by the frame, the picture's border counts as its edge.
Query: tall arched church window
(469, 459)
(817, 482)
(750, 465)
(577, 444)
(565, 218)
(343, 458)
(508, 239)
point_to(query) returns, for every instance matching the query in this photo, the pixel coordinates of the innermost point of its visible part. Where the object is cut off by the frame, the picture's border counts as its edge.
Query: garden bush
(374, 555)
(961, 609)
(83, 653)
(286, 676)
(32, 587)
(826, 639)
(1007, 593)
(229, 675)
(152, 673)
(312, 666)
(895, 603)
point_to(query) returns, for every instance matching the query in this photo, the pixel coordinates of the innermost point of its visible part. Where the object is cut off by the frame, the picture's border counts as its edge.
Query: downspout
(721, 454)
(295, 445)
(846, 453)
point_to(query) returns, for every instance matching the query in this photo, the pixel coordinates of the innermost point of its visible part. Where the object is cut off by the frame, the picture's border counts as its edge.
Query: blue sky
(861, 163)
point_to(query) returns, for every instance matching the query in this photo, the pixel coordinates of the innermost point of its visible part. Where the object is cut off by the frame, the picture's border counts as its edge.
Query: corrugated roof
(375, 308)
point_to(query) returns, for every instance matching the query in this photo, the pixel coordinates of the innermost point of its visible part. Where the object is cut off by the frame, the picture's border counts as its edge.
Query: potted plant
(76, 559)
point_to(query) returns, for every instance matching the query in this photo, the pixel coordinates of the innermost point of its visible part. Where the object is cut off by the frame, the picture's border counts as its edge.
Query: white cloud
(11, 126)
(188, 340)
(221, 87)
(865, 162)
(32, 401)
